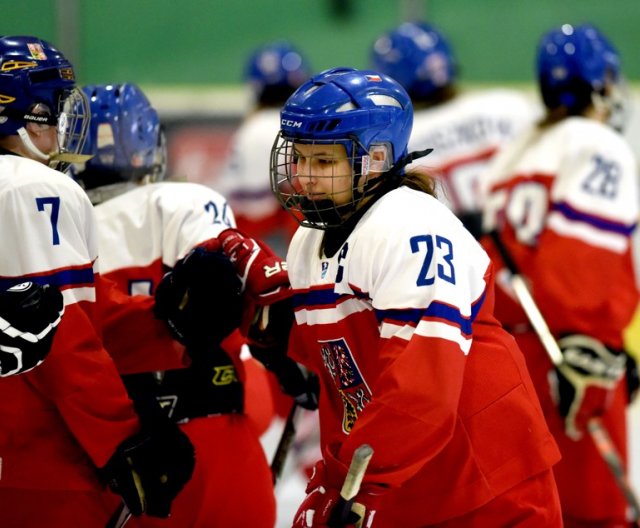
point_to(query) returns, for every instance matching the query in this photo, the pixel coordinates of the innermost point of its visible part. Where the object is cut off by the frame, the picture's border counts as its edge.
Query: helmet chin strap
(26, 141)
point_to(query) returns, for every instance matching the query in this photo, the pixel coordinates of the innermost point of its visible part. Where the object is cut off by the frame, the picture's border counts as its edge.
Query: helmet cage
(72, 126)
(325, 213)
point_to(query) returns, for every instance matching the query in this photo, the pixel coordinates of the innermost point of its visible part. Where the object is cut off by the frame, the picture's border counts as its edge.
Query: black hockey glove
(268, 341)
(149, 469)
(200, 298)
(583, 384)
(29, 317)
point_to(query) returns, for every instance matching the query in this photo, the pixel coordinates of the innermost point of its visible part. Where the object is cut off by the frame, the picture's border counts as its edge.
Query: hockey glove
(29, 317)
(268, 338)
(323, 506)
(200, 298)
(583, 384)
(263, 274)
(149, 469)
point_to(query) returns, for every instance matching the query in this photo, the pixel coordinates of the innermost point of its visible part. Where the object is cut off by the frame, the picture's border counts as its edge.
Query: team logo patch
(168, 403)
(325, 268)
(224, 375)
(67, 74)
(36, 51)
(353, 390)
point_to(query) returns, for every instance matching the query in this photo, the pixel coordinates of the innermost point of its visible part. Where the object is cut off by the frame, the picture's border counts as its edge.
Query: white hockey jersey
(146, 230)
(398, 325)
(464, 134)
(565, 200)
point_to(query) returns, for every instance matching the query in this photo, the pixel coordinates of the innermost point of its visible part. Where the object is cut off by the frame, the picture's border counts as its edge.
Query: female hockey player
(563, 199)
(393, 303)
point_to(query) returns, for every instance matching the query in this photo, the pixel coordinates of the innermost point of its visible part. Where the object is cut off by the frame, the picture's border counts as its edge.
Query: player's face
(324, 172)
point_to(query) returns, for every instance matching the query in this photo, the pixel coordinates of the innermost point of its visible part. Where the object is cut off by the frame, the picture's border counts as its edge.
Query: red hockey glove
(323, 506)
(583, 384)
(263, 274)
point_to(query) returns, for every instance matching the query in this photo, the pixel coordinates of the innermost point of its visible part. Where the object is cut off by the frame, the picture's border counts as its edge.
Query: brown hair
(420, 181)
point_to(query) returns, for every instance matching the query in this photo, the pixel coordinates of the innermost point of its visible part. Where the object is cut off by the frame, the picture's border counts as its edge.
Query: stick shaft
(351, 487)
(120, 517)
(284, 444)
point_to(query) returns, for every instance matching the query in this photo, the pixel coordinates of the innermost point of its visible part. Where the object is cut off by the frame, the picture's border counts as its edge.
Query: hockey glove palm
(200, 298)
(584, 382)
(323, 506)
(29, 317)
(149, 469)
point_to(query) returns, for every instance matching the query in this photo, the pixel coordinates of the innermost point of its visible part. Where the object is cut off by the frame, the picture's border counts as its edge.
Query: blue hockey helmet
(363, 110)
(418, 56)
(274, 71)
(573, 63)
(38, 85)
(125, 138)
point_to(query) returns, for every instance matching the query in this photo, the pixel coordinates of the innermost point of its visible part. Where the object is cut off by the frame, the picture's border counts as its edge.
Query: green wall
(164, 42)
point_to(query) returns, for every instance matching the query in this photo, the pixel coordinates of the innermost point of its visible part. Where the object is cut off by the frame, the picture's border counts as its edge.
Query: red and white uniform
(465, 133)
(398, 324)
(245, 181)
(142, 233)
(65, 418)
(565, 199)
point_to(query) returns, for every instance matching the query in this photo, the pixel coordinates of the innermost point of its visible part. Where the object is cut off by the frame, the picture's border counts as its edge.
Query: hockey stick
(350, 488)
(597, 431)
(284, 444)
(120, 517)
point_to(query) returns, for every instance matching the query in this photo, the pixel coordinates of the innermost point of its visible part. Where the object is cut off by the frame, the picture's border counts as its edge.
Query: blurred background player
(564, 200)
(394, 312)
(273, 72)
(145, 227)
(464, 129)
(68, 426)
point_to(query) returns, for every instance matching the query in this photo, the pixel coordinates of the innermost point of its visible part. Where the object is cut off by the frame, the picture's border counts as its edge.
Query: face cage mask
(323, 212)
(73, 122)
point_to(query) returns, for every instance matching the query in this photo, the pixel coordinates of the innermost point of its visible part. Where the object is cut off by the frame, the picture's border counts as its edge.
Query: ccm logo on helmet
(290, 123)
